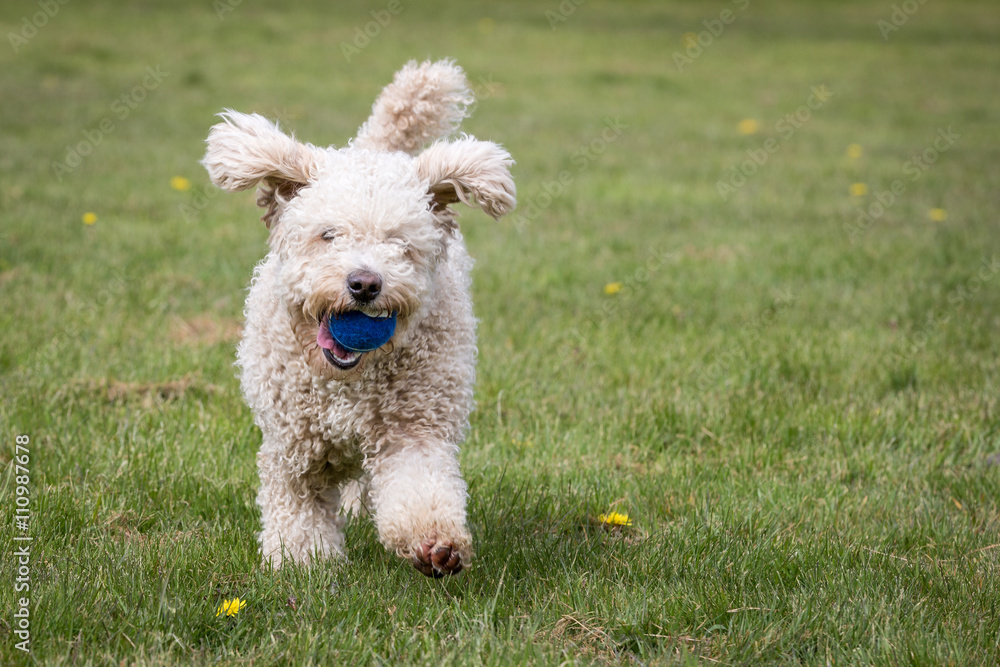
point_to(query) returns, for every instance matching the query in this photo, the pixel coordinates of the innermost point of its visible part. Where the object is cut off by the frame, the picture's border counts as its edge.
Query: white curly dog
(365, 227)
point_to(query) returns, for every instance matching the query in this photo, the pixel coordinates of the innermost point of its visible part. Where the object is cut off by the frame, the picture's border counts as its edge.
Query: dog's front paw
(436, 559)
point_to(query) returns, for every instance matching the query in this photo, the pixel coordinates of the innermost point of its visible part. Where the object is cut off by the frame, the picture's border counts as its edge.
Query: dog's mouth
(339, 355)
(335, 353)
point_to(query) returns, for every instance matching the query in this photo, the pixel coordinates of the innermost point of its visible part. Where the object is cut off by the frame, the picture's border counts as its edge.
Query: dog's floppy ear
(424, 102)
(247, 149)
(476, 173)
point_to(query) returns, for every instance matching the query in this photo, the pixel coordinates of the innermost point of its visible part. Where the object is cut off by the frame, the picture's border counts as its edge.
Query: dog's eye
(328, 235)
(400, 243)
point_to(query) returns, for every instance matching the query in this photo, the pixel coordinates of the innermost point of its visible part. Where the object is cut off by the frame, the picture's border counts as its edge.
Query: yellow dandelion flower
(180, 184)
(938, 214)
(689, 39)
(748, 126)
(230, 607)
(614, 519)
(858, 189)
(487, 25)
(854, 151)
(613, 288)
(89, 218)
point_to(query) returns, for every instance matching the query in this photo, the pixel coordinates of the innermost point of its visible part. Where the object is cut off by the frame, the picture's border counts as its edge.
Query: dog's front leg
(418, 496)
(299, 512)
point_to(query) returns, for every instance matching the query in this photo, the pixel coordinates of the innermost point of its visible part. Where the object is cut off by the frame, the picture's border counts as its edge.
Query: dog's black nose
(364, 286)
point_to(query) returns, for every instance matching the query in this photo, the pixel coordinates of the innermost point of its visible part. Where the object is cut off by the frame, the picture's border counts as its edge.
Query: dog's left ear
(247, 150)
(476, 173)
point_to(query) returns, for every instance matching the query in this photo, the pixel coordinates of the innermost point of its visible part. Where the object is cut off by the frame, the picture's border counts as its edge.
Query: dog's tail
(423, 103)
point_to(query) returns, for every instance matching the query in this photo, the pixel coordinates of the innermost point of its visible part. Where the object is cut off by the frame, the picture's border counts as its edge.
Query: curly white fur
(385, 432)
(423, 102)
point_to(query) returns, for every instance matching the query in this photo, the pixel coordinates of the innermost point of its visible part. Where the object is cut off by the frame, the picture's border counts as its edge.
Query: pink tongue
(323, 338)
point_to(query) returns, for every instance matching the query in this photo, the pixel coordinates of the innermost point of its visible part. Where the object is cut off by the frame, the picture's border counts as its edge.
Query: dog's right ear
(247, 150)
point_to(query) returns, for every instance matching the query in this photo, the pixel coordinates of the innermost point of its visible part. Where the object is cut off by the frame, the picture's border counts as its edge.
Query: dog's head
(364, 227)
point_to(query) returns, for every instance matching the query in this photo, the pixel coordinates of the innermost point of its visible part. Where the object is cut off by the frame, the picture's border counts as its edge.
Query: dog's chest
(348, 417)
(339, 415)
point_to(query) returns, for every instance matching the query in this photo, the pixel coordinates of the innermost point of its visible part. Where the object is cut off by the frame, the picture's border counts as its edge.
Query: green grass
(803, 429)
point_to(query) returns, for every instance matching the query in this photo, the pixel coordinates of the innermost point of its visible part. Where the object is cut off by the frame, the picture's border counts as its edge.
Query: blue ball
(358, 332)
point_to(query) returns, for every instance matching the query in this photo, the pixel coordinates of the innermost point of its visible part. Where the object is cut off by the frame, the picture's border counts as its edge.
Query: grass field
(750, 298)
